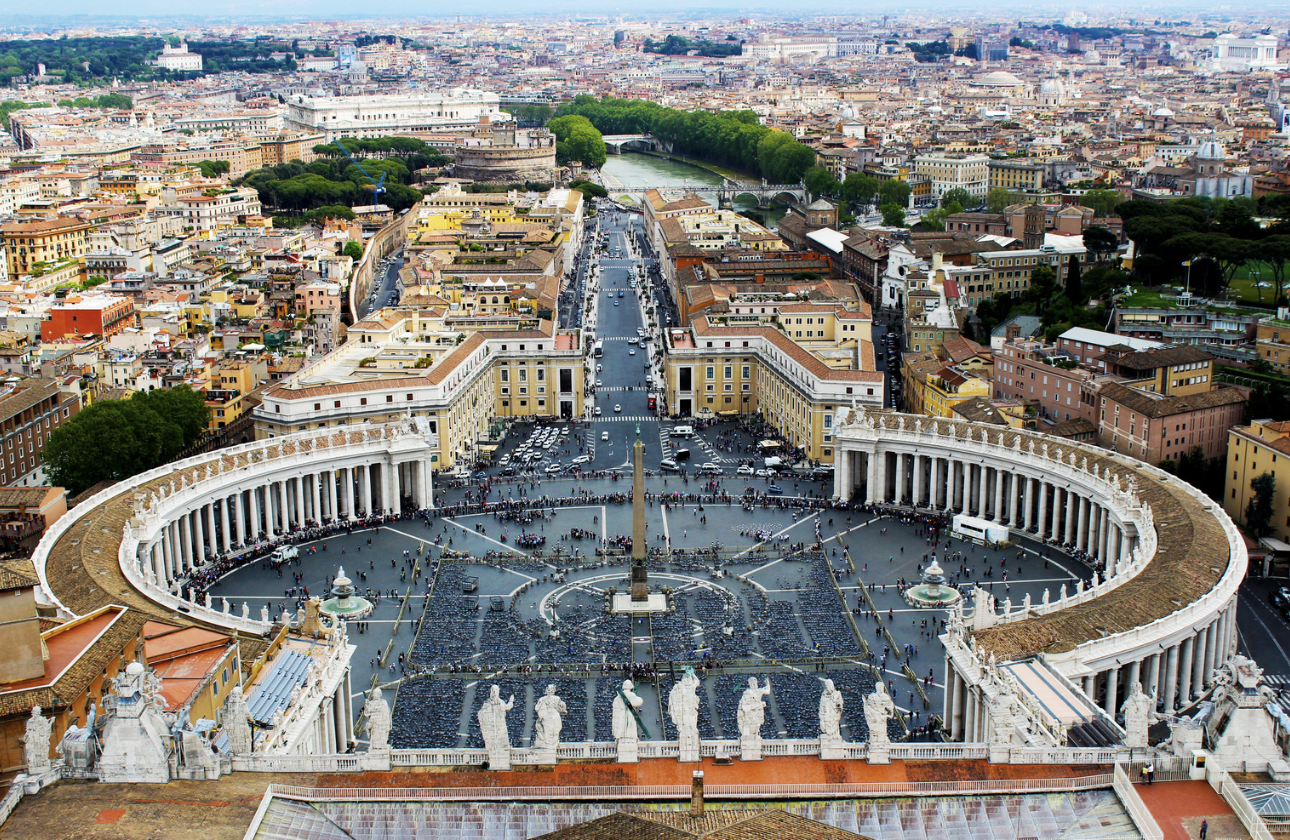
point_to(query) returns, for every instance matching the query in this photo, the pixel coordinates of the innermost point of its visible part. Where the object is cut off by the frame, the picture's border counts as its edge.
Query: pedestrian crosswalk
(635, 418)
(1277, 680)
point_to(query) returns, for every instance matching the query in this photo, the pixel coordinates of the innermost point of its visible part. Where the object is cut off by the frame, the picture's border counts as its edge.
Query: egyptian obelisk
(640, 577)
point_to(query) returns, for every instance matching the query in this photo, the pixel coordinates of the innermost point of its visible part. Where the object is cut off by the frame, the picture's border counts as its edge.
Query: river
(637, 171)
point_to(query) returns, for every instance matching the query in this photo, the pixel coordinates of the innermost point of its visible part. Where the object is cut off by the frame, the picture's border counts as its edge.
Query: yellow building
(1261, 447)
(50, 242)
(934, 389)
(1013, 176)
(460, 374)
(796, 365)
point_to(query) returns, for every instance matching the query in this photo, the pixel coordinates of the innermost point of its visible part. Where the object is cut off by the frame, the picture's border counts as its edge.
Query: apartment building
(30, 410)
(954, 171)
(1261, 447)
(796, 365)
(1016, 177)
(1153, 427)
(461, 374)
(85, 315)
(51, 242)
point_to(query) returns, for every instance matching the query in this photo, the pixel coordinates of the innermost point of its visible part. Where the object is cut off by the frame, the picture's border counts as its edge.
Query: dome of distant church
(999, 78)
(1211, 150)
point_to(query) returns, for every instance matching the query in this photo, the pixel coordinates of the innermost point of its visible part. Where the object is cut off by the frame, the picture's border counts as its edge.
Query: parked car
(668, 464)
(744, 469)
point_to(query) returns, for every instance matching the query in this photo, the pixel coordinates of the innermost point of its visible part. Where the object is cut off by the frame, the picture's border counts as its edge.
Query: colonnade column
(348, 477)
(934, 492)
(998, 495)
(918, 480)
(1014, 499)
(1199, 652)
(199, 525)
(1072, 516)
(981, 490)
(365, 474)
(1042, 517)
(253, 497)
(1028, 509)
(330, 477)
(1153, 675)
(1135, 675)
(300, 501)
(211, 529)
(315, 492)
(396, 496)
(900, 478)
(871, 478)
(1112, 684)
(1185, 666)
(1171, 679)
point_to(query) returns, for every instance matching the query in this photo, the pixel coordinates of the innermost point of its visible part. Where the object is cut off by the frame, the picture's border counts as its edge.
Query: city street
(386, 290)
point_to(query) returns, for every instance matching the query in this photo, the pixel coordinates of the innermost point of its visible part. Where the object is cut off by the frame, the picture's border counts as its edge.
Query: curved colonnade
(1163, 615)
(161, 526)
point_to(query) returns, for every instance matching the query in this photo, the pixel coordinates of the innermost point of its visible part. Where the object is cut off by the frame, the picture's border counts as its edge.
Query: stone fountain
(932, 591)
(343, 603)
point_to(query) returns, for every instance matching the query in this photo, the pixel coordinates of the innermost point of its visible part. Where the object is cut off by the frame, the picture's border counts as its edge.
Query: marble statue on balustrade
(136, 736)
(492, 723)
(377, 712)
(237, 723)
(683, 707)
(1137, 709)
(831, 705)
(878, 709)
(624, 722)
(751, 715)
(549, 710)
(35, 742)
(1003, 722)
(79, 749)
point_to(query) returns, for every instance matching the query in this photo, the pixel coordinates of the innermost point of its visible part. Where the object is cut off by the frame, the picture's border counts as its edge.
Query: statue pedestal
(627, 751)
(1000, 753)
(749, 750)
(499, 759)
(379, 760)
(879, 753)
(34, 783)
(545, 756)
(832, 749)
(688, 752)
(624, 602)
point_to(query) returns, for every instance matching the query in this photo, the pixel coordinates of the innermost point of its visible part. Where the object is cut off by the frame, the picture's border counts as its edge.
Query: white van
(287, 552)
(682, 431)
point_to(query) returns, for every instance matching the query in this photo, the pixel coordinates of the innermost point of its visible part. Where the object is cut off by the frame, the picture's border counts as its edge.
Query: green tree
(353, 249)
(820, 181)
(589, 189)
(577, 139)
(1074, 290)
(894, 192)
(1102, 201)
(859, 188)
(997, 199)
(893, 215)
(958, 196)
(115, 439)
(1258, 513)
(1099, 241)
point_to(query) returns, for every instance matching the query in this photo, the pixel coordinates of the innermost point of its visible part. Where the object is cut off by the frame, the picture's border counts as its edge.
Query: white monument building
(421, 112)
